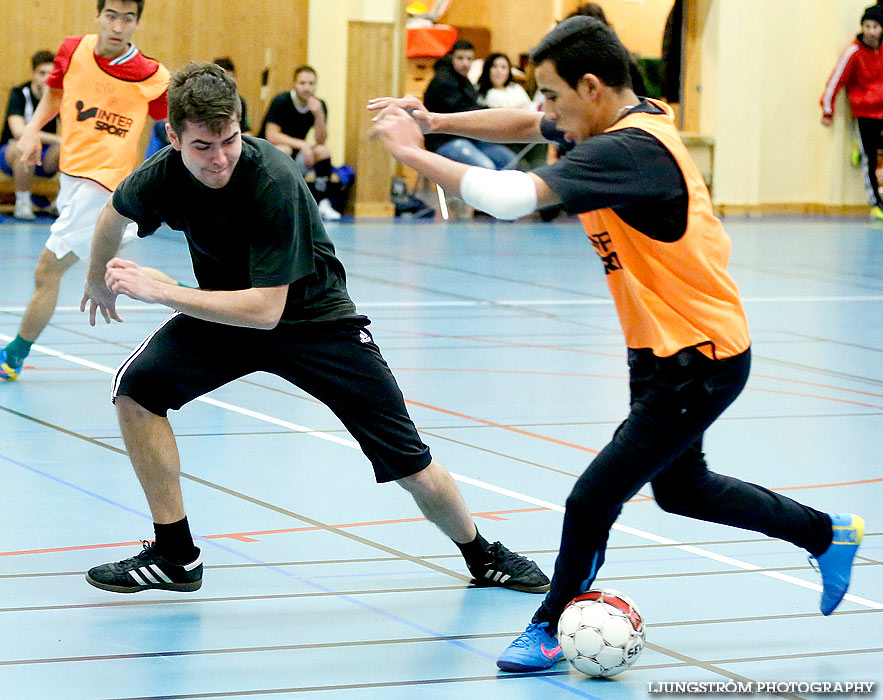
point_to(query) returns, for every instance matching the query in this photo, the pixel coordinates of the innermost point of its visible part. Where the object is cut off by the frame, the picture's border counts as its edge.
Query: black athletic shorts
(337, 362)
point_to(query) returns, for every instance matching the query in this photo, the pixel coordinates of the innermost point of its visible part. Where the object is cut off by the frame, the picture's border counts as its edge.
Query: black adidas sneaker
(147, 570)
(510, 570)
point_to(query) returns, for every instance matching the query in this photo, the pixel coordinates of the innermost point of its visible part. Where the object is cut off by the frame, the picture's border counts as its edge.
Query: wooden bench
(44, 186)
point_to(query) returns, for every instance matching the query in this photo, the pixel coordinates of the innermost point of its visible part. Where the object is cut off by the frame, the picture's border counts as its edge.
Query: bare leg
(47, 279)
(22, 175)
(440, 501)
(50, 161)
(154, 454)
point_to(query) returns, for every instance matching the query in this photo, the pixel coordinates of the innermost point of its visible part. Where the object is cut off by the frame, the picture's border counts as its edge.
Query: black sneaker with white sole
(509, 570)
(147, 570)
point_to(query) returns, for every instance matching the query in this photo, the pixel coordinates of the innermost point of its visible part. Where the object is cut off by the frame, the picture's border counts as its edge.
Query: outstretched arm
(493, 125)
(505, 194)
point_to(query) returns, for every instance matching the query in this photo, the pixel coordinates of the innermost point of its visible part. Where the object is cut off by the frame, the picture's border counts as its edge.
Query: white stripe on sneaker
(148, 574)
(159, 572)
(505, 578)
(135, 575)
(196, 562)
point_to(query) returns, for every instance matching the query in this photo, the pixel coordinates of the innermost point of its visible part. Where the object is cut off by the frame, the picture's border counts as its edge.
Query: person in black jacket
(450, 91)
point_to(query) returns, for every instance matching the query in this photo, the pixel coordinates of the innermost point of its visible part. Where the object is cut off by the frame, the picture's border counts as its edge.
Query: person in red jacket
(860, 70)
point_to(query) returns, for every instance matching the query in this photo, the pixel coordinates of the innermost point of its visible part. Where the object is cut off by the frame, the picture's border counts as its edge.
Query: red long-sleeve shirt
(860, 70)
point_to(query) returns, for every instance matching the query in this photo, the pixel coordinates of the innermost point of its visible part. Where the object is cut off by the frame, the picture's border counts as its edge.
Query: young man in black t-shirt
(290, 118)
(23, 100)
(270, 289)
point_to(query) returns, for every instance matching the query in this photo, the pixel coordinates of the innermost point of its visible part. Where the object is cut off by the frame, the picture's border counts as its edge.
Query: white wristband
(504, 194)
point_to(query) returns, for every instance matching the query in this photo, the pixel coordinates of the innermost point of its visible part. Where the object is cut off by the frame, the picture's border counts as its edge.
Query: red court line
(824, 486)
(509, 343)
(501, 426)
(249, 536)
(816, 396)
(822, 386)
(490, 515)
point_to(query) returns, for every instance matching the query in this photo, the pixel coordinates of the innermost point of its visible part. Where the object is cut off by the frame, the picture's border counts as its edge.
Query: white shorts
(79, 202)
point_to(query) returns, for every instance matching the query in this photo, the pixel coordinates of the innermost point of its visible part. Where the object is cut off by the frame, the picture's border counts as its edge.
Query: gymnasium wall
(174, 32)
(764, 65)
(516, 27)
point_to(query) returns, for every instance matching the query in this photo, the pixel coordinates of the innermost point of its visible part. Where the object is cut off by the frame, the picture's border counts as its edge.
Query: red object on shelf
(435, 40)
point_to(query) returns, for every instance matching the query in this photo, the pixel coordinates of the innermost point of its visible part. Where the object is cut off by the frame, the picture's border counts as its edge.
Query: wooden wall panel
(369, 45)
(174, 32)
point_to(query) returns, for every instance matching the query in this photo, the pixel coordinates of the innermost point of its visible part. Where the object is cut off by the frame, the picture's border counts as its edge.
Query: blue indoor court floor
(321, 584)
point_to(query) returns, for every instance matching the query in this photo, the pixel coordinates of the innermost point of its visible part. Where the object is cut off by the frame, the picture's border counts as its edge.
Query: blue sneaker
(534, 650)
(8, 371)
(835, 565)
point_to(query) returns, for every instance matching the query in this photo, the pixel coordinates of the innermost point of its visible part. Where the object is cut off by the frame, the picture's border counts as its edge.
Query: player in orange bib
(649, 217)
(104, 89)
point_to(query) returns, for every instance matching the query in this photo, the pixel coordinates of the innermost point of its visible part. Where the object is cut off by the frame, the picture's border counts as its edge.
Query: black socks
(475, 552)
(175, 543)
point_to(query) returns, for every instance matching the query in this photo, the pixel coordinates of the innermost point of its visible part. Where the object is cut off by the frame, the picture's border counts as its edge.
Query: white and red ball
(601, 632)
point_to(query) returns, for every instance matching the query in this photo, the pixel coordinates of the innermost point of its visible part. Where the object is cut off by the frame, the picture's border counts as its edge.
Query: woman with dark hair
(497, 87)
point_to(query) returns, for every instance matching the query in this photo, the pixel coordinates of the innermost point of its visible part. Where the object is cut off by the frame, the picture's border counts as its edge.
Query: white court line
(496, 302)
(643, 534)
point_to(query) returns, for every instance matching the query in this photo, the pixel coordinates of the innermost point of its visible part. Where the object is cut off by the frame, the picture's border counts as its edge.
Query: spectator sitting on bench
(450, 91)
(23, 100)
(291, 116)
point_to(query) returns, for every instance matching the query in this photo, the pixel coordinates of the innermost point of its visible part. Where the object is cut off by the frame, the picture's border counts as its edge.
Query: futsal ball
(601, 632)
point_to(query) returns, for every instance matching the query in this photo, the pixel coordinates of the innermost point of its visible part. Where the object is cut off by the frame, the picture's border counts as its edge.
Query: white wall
(764, 65)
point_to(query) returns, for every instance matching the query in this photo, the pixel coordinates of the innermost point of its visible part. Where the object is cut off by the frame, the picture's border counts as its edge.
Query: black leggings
(869, 131)
(673, 401)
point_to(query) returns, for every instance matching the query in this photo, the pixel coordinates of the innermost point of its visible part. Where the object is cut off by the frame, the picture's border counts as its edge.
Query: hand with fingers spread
(31, 147)
(99, 298)
(398, 131)
(409, 104)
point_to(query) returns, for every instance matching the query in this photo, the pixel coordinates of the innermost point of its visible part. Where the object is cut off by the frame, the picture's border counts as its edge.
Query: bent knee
(50, 269)
(675, 501)
(424, 481)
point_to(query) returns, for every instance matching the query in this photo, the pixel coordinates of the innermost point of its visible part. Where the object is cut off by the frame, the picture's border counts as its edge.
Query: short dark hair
(226, 63)
(484, 80)
(462, 45)
(203, 93)
(140, 4)
(581, 45)
(304, 69)
(41, 57)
